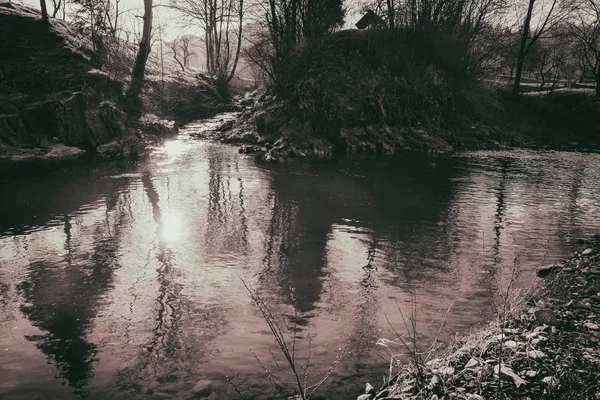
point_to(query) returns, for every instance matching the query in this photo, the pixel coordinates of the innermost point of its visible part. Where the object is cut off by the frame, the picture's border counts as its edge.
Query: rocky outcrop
(51, 96)
(266, 127)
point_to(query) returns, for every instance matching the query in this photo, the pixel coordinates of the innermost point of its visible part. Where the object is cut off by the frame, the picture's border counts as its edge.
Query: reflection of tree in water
(294, 251)
(226, 224)
(570, 227)
(63, 299)
(499, 216)
(418, 228)
(165, 342)
(501, 273)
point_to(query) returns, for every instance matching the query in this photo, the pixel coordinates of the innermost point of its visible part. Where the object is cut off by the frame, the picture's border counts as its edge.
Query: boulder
(545, 317)
(106, 123)
(60, 152)
(202, 388)
(544, 272)
(129, 146)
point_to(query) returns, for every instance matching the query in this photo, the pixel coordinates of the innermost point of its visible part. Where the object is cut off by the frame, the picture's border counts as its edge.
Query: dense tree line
(553, 41)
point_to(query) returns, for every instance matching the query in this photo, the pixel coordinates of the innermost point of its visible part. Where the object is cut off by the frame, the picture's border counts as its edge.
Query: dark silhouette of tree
(550, 17)
(132, 98)
(585, 28)
(44, 11)
(291, 22)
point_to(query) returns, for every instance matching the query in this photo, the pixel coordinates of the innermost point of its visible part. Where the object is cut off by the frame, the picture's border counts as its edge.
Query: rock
(594, 271)
(535, 354)
(131, 146)
(538, 340)
(531, 373)
(433, 382)
(545, 317)
(474, 397)
(435, 397)
(369, 389)
(551, 381)
(365, 397)
(202, 388)
(471, 363)
(150, 124)
(511, 344)
(106, 123)
(61, 152)
(592, 326)
(510, 373)
(127, 147)
(587, 252)
(109, 150)
(544, 272)
(251, 149)
(447, 370)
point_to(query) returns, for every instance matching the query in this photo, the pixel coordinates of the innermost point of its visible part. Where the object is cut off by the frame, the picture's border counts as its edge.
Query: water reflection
(164, 343)
(128, 277)
(62, 296)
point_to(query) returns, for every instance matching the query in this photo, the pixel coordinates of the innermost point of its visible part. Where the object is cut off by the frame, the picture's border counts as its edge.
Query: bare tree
(390, 12)
(222, 22)
(585, 28)
(181, 48)
(56, 4)
(132, 98)
(550, 14)
(44, 11)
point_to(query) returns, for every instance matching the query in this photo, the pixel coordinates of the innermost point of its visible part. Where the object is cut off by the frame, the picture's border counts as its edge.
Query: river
(126, 279)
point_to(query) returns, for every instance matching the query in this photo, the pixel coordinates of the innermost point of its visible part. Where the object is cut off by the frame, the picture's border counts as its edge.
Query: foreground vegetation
(544, 344)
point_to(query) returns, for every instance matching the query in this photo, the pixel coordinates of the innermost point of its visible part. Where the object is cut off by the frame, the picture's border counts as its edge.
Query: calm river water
(125, 280)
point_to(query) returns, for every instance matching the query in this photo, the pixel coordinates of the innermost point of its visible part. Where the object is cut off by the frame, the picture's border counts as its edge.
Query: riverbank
(62, 95)
(388, 91)
(270, 129)
(545, 345)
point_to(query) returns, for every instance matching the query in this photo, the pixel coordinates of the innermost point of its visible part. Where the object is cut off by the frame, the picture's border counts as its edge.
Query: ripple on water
(127, 276)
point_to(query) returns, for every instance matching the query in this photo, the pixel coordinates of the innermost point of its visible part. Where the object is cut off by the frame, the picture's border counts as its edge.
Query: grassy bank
(543, 345)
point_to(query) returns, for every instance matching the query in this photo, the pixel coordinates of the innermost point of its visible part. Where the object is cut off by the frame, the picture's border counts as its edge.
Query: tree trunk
(132, 98)
(239, 43)
(521, 59)
(598, 85)
(390, 7)
(44, 11)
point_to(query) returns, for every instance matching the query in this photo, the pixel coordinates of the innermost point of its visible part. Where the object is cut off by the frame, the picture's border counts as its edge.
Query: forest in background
(522, 43)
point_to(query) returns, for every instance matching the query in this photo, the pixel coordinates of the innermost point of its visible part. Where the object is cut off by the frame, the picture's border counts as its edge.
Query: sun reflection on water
(173, 149)
(171, 227)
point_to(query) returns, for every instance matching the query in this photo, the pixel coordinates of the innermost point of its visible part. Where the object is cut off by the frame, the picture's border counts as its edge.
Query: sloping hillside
(61, 99)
